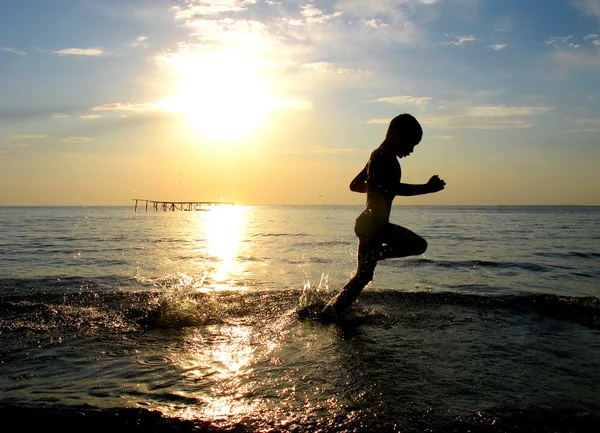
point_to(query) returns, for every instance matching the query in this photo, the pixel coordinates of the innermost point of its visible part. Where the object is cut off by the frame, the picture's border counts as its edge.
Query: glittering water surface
(194, 315)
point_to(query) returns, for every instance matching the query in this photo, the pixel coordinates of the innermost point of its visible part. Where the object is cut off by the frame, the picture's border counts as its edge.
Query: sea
(116, 319)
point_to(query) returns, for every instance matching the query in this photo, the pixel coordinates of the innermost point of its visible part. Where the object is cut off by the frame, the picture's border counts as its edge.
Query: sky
(281, 102)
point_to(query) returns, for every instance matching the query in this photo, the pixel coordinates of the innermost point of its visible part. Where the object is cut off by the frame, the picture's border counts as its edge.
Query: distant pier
(158, 205)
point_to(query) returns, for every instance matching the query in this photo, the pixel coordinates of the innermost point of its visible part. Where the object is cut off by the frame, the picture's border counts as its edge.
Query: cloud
(92, 52)
(305, 78)
(313, 15)
(593, 38)
(195, 8)
(60, 116)
(507, 111)
(19, 145)
(577, 60)
(331, 68)
(585, 125)
(326, 150)
(76, 139)
(284, 35)
(370, 8)
(555, 40)
(119, 106)
(13, 51)
(483, 117)
(443, 137)
(459, 40)
(588, 7)
(561, 41)
(420, 101)
(27, 136)
(252, 36)
(140, 41)
(298, 48)
(587, 121)
(309, 10)
(90, 116)
(498, 47)
(474, 122)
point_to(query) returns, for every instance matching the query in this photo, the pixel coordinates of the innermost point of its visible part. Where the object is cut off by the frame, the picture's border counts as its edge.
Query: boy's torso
(383, 176)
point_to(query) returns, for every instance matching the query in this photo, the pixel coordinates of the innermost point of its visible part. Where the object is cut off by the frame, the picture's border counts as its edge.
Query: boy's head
(404, 133)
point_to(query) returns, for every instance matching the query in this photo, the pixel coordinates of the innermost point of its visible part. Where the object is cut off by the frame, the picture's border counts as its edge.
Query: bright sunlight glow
(222, 94)
(224, 228)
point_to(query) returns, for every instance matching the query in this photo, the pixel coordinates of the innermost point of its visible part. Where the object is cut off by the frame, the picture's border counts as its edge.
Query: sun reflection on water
(218, 360)
(224, 228)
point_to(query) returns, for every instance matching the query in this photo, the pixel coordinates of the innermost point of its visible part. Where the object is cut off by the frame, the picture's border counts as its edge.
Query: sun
(222, 94)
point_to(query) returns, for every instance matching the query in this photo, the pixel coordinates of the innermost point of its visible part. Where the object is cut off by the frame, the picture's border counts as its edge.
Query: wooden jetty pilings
(158, 205)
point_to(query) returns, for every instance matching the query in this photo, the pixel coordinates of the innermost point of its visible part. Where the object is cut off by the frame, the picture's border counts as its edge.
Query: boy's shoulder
(382, 153)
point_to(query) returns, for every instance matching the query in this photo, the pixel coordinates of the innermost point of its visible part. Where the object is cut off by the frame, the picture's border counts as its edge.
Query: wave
(570, 254)
(532, 267)
(324, 243)
(266, 235)
(124, 305)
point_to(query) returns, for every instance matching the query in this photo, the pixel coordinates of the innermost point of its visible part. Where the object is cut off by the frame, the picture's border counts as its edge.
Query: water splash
(180, 304)
(314, 299)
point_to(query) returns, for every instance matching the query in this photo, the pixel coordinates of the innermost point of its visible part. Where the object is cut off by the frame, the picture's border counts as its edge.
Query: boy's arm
(359, 183)
(434, 184)
(383, 171)
(384, 174)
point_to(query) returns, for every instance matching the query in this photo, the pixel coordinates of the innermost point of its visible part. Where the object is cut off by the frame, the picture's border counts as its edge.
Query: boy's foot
(330, 311)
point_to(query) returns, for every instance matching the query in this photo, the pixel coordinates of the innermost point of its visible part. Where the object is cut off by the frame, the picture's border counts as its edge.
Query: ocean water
(188, 321)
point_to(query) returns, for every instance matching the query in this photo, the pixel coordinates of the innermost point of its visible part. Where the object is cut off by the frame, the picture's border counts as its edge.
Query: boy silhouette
(378, 239)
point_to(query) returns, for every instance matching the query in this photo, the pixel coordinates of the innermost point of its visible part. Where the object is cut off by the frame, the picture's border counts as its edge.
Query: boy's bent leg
(401, 242)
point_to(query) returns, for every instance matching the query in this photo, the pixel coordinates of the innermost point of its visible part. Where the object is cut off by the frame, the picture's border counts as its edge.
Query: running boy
(379, 239)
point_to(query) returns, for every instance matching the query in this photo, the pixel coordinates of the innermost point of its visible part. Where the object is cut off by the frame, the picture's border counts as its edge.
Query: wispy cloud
(119, 106)
(326, 150)
(498, 47)
(589, 7)
(76, 139)
(556, 40)
(28, 136)
(562, 41)
(92, 52)
(458, 41)
(465, 122)
(194, 8)
(483, 117)
(380, 7)
(140, 41)
(507, 111)
(331, 68)
(443, 137)
(312, 14)
(19, 145)
(593, 38)
(577, 59)
(585, 124)
(60, 116)
(13, 51)
(285, 35)
(473, 122)
(420, 101)
(90, 116)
